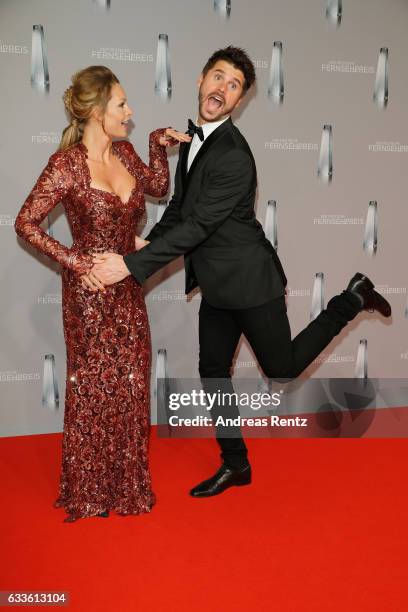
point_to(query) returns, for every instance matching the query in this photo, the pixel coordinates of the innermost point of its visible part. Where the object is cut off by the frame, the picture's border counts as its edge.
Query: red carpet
(323, 527)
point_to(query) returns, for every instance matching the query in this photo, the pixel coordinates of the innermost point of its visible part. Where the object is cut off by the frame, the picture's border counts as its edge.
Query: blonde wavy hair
(91, 87)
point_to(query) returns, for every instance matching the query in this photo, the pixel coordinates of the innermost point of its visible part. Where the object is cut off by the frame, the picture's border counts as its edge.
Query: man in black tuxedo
(211, 221)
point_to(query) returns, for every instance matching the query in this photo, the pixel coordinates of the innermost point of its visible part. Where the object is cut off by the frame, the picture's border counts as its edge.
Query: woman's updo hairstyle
(90, 87)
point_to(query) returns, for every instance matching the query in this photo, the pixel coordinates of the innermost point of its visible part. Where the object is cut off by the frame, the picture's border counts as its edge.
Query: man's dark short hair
(239, 59)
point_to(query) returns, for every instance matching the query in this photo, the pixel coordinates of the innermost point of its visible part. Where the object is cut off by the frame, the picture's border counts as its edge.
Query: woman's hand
(91, 282)
(172, 137)
(140, 243)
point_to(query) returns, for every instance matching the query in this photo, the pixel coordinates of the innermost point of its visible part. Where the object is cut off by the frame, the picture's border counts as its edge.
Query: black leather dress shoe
(371, 299)
(223, 479)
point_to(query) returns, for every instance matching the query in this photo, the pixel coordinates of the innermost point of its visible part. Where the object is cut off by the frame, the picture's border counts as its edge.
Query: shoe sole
(238, 484)
(387, 308)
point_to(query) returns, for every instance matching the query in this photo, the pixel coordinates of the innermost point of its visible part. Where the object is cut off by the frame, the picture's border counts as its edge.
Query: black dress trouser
(267, 330)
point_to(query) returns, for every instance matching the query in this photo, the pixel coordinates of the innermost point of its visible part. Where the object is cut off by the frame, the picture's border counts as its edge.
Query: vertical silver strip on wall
(371, 229)
(380, 95)
(223, 8)
(334, 12)
(161, 207)
(103, 4)
(163, 86)
(275, 84)
(40, 77)
(161, 366)
(264, 384)
(317, 296)
(325, 163)
(271, 228)
(162, 383)
(361, 369)
(50, 395)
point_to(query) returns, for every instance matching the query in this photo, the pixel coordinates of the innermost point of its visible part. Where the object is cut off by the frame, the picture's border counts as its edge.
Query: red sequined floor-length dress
(107, 416)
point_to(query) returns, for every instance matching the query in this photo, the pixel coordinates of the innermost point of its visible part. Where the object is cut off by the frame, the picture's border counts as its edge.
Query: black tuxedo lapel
(208, 142)
(184, 150)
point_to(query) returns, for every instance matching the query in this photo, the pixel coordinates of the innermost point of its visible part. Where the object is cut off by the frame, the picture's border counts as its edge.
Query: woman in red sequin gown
(106, 421)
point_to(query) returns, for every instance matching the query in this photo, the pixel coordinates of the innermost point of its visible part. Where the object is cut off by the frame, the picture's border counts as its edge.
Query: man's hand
(91, 282)
(140, 243)
(109, 268)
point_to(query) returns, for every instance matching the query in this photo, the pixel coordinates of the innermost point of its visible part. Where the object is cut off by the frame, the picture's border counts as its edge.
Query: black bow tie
(195, 129)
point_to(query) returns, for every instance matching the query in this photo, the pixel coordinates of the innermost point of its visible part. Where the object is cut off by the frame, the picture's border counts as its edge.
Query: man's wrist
(131, 261)
(125, 266)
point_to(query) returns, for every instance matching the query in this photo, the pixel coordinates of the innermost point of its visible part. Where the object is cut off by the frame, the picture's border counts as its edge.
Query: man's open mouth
(215, 102)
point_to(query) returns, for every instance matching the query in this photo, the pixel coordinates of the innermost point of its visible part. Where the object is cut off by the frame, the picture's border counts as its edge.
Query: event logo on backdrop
(325, 164)
(317, 296)
(103, 4)
(223, 8)
(334, 12)
(380, 95)
(163, 74)
(50, 394)
(371, 229)
(271, 225)
(40, 77)
(275, 85)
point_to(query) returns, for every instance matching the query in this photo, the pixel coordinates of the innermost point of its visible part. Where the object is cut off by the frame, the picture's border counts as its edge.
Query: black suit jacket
(211, 221)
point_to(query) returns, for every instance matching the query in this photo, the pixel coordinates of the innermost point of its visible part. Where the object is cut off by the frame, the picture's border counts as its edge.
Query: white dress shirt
(196, 143)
